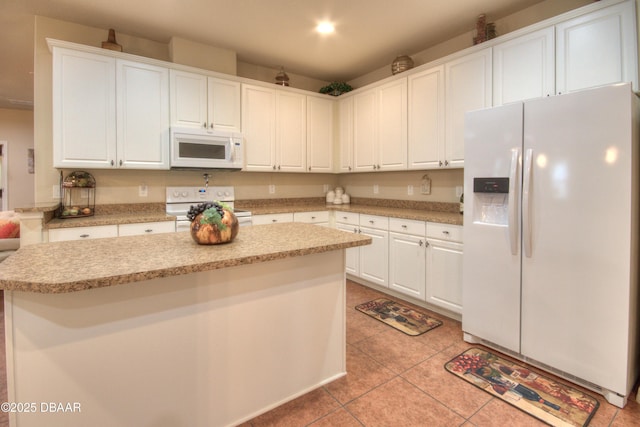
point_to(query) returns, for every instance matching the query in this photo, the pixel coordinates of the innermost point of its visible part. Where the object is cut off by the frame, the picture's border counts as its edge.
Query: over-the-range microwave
(201, 149)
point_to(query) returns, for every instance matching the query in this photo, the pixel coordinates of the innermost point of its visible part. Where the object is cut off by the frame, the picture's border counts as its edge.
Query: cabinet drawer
(146, 228)
(351, 218)
(272, 218)
(78, 233)
(311, 217)
(447, 232)
(407, 226)
(374, 221)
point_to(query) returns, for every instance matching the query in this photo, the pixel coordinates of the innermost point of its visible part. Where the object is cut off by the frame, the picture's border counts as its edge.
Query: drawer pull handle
(445, 232)
(370, 221)
(84, 236)
(420, 243)
(148, 230)
(313, 217)
(404, 226)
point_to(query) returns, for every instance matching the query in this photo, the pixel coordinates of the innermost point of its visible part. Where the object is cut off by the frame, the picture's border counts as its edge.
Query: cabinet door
(392, 125)
(524, 68)
(271, 218)
(291, 132)
(597, 49)
(146, 228)
(374, 258)
(259, 127)
(345, 116)
(407, 264)
(426, 118)
(468, 87)
(82, 233)
(223, 105)
(352, 255)
(444, 274)
(188, 99)
(84, 109)
(319, 134)
(143, 116)
(365, 151)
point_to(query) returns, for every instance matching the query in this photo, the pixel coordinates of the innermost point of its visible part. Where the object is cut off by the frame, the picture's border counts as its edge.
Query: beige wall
(16, 128)
(121, 186)
(539, 12)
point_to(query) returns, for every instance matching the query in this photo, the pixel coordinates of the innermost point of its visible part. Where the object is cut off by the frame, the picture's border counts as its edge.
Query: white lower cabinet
(146, 228)
(407, 257)
(313, 217)
(419, 259)
(113, 230)
(444, 266)
(79, 233)
(272, 218)
(374, 258)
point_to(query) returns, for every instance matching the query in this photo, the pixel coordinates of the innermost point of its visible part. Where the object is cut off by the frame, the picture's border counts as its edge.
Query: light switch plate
(272, 189)
(410, 190)
(375, 188)
(143, 190)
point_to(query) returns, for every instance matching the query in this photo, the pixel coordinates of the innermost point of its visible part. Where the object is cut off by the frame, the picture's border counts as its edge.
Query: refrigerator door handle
(526, 203)
(512, 213)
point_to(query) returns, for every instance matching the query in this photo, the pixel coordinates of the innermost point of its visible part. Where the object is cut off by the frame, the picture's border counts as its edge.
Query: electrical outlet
(143, 190)
(56, 192)
(272, 189)
(375, 188)
(410, 190)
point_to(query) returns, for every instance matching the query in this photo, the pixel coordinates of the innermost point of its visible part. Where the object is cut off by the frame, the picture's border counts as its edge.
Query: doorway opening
(4, 184)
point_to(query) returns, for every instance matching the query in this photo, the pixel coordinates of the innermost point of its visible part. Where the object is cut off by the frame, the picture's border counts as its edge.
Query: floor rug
(403, 318)
(544, 398)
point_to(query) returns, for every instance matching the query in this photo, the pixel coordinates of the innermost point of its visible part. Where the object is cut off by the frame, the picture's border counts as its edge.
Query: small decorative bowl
(209, 234)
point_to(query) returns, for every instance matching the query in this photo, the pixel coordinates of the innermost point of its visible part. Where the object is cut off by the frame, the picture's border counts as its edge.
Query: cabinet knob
(420, 243)
(112, 163)
(313, 217)
(374, 167)
(440, 163)
(211, 125)
(349, 167)
(120, 162)
(204, 125)
(446, 162)
(278, 167)
(274, 220)
(274, 167)
(309, 168)
(445, 232)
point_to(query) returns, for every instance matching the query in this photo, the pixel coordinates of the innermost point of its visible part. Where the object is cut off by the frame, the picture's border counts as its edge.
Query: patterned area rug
(550, 401)
(403, 318)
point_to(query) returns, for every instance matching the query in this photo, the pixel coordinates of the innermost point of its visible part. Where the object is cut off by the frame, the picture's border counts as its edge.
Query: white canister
(346, 199)
(339, 191)
(330, 196)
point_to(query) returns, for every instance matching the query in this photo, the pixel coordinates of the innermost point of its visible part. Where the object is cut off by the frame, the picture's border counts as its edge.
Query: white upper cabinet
(291, 131)
(365, 147)
(524, 67)
(392, 125)
(108, 112)
(320, 134)
(598, 48)
(259, 127)
(204, 102)
(274, 129)
(345, 133)
(468, 87)
(380, 128)
(84, 109)
(426, 118)
(142, 115)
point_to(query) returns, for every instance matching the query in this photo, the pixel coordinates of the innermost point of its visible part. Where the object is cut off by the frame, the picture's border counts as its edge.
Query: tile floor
(397, 380)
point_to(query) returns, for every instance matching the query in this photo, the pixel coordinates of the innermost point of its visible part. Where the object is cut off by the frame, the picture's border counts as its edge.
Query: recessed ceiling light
(325, 28)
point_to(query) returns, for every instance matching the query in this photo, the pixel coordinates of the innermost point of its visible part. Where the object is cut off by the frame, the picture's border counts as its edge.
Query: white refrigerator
(551, 235)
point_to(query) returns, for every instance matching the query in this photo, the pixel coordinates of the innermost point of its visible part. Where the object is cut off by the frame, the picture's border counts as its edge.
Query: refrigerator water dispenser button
(491, 185)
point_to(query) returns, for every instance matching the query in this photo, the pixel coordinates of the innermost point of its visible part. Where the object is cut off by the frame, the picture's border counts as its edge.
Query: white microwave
(194, 148)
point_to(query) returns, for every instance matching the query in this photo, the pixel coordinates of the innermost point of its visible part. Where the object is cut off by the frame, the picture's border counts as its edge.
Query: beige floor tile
(398, 403)
(299, 412)
(497, 413)
(395, 350)
(363, 374)
(339, 418)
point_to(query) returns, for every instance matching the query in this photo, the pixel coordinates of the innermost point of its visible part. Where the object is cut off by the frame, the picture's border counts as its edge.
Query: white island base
(212, 348)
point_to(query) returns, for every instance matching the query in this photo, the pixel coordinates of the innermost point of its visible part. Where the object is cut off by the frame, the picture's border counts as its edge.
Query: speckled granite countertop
(431, 212)
(116, 214)
(85, 264)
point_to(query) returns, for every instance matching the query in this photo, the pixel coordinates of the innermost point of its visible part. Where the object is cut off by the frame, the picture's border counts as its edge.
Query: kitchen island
(155, 330)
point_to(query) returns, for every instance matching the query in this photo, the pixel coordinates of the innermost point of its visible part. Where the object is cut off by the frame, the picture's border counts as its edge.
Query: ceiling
(369, 33)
